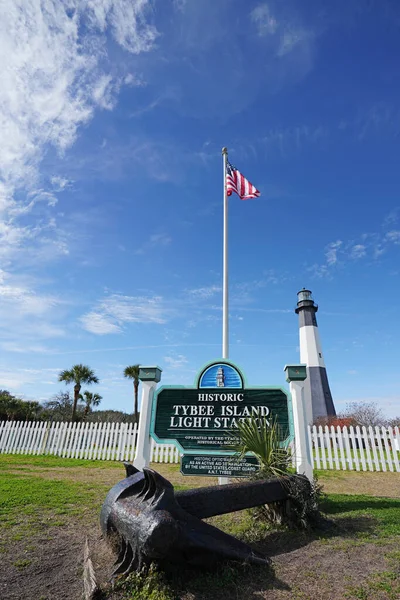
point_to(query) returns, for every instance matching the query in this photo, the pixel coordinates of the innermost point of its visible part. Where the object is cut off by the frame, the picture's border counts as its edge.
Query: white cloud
(23, 300)
(115, 311)
(393, 236)
(155, 240)
(56, 74)
(204, 293)
(319, 271)
(15, 378)
(287, 34)
(60, 183)
(176, 362)
(358, 251)
(98, 323)
(266, 23)
(331, 252)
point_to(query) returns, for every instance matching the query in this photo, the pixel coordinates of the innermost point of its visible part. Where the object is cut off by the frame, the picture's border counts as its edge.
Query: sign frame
(174, 442)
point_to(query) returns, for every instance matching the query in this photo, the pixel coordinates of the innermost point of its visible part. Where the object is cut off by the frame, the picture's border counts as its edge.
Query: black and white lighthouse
(317, 391)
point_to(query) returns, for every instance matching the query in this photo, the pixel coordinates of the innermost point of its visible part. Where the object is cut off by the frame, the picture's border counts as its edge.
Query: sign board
(219, 466)
(199, 419)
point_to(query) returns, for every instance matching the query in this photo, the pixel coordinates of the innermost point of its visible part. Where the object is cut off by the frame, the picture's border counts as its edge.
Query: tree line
(63, 406)
(361, 414)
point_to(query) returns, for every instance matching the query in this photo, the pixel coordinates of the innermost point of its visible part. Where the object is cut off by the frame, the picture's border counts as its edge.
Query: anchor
(148, 522)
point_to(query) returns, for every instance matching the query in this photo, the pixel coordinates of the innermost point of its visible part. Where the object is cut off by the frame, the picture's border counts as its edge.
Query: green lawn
(44, 498)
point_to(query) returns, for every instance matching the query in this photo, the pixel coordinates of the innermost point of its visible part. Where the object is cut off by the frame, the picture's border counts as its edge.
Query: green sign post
(199, 419)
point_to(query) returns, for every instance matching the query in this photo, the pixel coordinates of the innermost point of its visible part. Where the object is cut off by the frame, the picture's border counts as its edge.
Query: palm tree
(91, 399)
(78, 374)
(132, 372)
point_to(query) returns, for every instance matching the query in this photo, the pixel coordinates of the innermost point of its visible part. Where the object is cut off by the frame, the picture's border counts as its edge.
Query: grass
(41, 493)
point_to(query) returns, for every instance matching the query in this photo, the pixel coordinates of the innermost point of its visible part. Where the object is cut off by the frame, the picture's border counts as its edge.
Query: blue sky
(113, 117)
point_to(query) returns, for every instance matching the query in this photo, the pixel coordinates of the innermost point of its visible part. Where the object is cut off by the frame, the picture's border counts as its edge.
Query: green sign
(199, 419)
(219, 466)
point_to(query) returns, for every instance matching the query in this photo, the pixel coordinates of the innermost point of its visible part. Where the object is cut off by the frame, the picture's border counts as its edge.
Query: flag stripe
(236, 182)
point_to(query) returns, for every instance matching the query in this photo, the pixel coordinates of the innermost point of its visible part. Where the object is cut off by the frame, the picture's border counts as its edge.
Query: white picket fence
(95, 441)
(355, 448)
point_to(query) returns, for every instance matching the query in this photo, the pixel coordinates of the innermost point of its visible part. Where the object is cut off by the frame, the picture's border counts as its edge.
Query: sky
(113, 114)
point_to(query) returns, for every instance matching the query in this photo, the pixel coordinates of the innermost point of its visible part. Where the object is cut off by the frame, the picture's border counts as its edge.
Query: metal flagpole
(225, 307)
(225, 297)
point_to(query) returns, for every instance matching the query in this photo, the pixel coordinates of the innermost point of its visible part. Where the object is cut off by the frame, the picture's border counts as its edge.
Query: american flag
(235, 182)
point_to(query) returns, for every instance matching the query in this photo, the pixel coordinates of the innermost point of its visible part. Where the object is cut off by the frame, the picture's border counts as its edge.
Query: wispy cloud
(176, 362)
(56, 75)
(286, 34)
(154, 241)
(15, 378)
(28, 316)
(370, 246)
(116, 311)
(332, 251)
(204, 293)
(264, 20)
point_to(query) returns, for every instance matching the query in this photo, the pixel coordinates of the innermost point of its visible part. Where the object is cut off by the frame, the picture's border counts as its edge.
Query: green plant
(132, 372)
(148, 584)
(91, 399)
(263, 439)
(78, 374)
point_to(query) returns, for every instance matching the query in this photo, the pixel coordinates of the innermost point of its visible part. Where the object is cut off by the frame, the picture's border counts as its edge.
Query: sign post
(149, 376)
(296, 375)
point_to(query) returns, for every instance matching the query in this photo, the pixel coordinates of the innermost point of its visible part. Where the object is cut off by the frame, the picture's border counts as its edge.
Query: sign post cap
(295, 372)
(150, 373)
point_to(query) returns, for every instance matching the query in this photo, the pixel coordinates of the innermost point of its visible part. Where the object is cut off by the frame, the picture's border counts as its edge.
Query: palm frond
(262, 438)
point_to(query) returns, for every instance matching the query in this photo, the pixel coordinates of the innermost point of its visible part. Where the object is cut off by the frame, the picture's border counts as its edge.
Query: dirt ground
(47, 563)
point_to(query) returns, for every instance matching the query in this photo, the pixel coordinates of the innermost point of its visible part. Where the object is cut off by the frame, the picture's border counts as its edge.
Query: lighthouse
(318, 395)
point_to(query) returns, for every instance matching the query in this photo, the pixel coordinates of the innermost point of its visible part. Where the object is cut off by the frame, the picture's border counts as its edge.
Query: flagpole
(225, 296)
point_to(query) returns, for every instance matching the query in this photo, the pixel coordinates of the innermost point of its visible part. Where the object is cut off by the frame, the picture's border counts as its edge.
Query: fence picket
(341, 449)
(367, 449)
(328, 446)
(110, 439)
(335, 451)
(322, 443)
(21, 444)
(361, 448)
(373, 448)
(56, 429)
(387, 449)
(106, 441)
(41, 438)
(392, 439)
(346, 438)
(88, 441)
(78, 437)
(396, 433)
(2, 427)
(17, 435)
(32, 438)
(315, 444)
(96, 441)
(127, 443)
(380, 448)
(9, 436)
(134, 438)
(354, 447)
(103, 428)
(82, 441)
